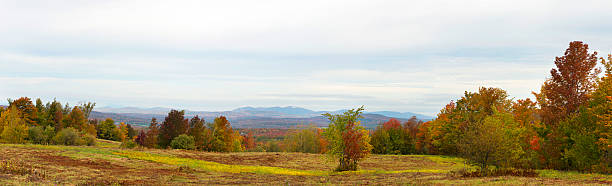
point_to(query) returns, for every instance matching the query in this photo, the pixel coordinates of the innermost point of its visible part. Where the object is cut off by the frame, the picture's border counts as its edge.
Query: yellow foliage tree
(13, 129)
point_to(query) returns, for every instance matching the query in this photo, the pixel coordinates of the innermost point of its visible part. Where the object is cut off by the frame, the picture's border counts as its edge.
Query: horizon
(389, 56)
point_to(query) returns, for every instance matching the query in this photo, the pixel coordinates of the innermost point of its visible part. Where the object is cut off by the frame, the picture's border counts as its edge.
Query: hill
(250, 117)
(241, 121)
(107, 164)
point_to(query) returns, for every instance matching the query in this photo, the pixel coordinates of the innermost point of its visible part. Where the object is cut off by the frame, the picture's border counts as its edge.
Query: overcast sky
(324, 55)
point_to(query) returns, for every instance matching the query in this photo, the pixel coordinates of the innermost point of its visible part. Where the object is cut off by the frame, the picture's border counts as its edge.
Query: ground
(107, 164)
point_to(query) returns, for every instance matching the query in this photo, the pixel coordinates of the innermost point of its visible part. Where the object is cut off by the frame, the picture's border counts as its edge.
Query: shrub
(183, 141)
(68, 136)
(129, 144)
(36, 135)
(49, 132)
(89, 140)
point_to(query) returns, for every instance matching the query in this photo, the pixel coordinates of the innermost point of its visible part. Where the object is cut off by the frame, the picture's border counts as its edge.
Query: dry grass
(109, 165)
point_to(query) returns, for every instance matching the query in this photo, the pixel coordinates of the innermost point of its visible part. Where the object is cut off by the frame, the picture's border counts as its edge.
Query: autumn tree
(225, 139)
(424, 138)
(562, 94)
(196, 129)
(248, 141)
(152, 134)
(122, 132)
(141, 138)
(349, 142)
(570, 83)
(174, 125)
(587, 146)
(76, 120)
(13, 128)
(27, 110)
(393, 138)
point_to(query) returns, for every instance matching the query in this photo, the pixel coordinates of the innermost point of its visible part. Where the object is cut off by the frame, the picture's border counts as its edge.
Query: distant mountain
(407, 115)
(298, 111)
(250, 117)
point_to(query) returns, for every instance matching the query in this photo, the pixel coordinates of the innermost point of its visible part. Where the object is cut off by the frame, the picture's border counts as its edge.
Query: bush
(183, 142)
(89, 140)
(129, 144)
(68, 136)
(36, 135)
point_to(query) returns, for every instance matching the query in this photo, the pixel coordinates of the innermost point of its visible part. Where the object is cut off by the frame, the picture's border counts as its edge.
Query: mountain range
(250, 117)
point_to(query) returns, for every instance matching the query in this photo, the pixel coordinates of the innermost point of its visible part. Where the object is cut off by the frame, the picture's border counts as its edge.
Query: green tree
(348, 141)
(68, 136)
(307, 140)
(183, 141)
(130, 131)
(108, 130)
(493, 142)
(87, 108)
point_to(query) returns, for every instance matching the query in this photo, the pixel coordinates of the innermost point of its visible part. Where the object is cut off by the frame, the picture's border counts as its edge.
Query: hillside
(241, 121)
(107, 164)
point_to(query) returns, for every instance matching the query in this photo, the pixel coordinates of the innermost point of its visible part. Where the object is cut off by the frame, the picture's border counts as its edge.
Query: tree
(108, 130)
(224, 137)
(587, 145)
(561, 96)
(150, 140)
(13, 129)
(27, 110)
(492, 142)
(306, 140)
(87, 108)
(174, 125)
(349, 142)
(248, 141)
(473, 107)
(569, 85)
(141, 138)
(76, 120)
(122, 132)
(54, 115)
(196, 129)
(393, 138)
(131, 133)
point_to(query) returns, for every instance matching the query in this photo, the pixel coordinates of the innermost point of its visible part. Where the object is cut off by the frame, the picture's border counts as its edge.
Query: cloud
(326, 55)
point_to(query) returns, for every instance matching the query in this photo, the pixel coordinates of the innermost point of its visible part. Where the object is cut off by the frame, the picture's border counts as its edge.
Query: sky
(406, 56)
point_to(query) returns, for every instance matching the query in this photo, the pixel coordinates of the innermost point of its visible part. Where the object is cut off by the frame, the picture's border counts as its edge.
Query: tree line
(567, 126)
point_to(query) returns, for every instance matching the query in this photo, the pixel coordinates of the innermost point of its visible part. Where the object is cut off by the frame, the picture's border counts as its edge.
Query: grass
(107, 164)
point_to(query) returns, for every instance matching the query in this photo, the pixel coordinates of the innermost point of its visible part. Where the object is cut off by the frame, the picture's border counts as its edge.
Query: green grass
(573, 175)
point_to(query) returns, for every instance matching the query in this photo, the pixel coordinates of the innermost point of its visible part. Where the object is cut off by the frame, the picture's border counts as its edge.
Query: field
(107, 164)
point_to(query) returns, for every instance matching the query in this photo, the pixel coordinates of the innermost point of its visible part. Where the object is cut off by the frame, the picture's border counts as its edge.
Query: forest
(566, 127)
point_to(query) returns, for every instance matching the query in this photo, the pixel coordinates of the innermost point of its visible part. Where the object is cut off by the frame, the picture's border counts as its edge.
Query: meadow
(107, 164)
